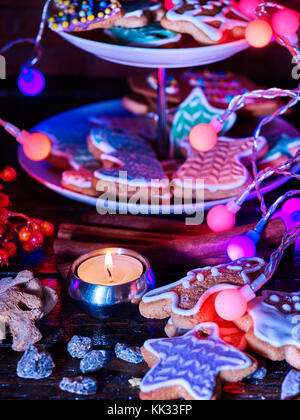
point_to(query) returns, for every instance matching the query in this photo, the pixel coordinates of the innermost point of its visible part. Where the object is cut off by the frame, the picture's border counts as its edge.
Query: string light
(248, 7)
(36, 146)
(232, 304)
(259, 33)
(31, 82)
(204, 137)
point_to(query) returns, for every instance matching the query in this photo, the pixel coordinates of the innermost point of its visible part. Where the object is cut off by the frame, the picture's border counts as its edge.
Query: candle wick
(109, 272)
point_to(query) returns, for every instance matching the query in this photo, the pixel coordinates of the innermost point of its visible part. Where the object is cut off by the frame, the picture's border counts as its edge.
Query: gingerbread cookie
(189, 300)
(130, 166)
(208, 22)
(150, 36)
(284, 147)
(193, 366)
(192, 111)
(80, 181)
(222, 170)
(137, 104)
(272, 326)
(140, 13)
(83, 15)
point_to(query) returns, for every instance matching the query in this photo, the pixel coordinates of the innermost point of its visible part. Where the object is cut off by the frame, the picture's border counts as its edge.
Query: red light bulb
(36, 146)
(230, 304)
(220, 218)
(248, 7)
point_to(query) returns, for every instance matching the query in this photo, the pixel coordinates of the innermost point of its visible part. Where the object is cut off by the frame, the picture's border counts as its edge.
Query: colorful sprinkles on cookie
(84, 15)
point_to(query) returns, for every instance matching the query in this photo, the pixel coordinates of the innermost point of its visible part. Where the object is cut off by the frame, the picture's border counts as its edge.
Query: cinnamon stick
(206, 249)
(74, 249)
(144, 223)
(97, 233)
(209, 249)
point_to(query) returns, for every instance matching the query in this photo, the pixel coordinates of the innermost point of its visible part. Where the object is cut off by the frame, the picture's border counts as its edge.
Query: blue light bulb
(31, 82)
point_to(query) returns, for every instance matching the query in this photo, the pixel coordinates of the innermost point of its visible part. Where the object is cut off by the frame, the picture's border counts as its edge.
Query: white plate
(50, 177)
(156, 58)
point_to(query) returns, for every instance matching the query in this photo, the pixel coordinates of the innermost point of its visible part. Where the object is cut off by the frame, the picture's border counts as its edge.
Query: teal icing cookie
(153, 35)
(283, 147)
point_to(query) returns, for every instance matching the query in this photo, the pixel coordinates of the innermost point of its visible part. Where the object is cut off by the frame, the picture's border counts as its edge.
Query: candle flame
(109, 263)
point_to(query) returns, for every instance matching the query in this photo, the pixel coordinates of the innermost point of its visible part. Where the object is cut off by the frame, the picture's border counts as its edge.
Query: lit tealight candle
(110, 270)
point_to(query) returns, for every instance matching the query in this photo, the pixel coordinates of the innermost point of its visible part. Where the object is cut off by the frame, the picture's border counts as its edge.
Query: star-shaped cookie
(192, 367)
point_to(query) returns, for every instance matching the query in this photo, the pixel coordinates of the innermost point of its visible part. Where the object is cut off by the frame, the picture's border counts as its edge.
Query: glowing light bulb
(220, 218)
(248, 7)
(259, 33)
(241, 246)
(36, 146)
(230, 304)
(204, 137)
(285, 22)
(292, 205)
(31, 82)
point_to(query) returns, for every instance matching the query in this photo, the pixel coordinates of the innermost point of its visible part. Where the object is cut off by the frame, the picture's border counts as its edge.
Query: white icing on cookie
(235, 267)
(275, 298)
(204, 22)
(274, 323)
(215, 272)
(166, 292)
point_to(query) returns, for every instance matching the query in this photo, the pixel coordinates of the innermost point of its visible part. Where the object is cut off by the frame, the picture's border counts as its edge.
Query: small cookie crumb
(135, 382)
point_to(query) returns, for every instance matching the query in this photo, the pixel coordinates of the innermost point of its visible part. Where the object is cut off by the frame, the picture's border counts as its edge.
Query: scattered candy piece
(291, 385)
(36, 363)
(128, 354)
(92, 361)
(260, 373)
(78, 346)
(79, 385)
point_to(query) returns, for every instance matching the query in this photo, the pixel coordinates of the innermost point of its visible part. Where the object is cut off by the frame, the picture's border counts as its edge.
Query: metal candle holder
(106, 301)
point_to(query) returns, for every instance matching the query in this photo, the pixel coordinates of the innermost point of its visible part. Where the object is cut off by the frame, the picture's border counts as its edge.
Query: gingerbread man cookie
(193, 366)
(208, 22)
(189, 300)
(222, 170)
(272, 326)
(130, 167)
(83, 15)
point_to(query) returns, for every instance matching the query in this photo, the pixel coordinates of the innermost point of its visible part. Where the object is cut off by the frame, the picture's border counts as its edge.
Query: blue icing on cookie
(151, 35)
(282, 146)
(137, 167)
(120, 141)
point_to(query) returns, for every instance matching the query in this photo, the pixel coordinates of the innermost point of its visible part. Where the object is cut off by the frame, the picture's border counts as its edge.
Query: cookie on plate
(192, 366)
(283, 147)
(130, 167)
(189, 301)
(80, 181)
(219, 173)
(139, 13)
(272, 326)
(208, 22)
(83, 15)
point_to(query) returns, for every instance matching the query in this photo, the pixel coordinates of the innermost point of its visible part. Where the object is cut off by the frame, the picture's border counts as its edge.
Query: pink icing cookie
(192, 366)
(272, 326)
(80, 181)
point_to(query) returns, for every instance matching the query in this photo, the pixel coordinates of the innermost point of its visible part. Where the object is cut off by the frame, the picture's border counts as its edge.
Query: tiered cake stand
(160, 59)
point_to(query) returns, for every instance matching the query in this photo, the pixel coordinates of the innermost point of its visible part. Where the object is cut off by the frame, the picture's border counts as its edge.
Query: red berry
(28, 247)
(3, 256)
(35, 227)
(36, 239)
(8, 174)
(4, 201)
(11, 248)
(3, 215)
(25, 234)
(47, 228)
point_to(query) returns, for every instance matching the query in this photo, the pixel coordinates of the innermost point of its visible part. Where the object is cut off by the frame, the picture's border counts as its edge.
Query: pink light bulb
(37, 146)
(285, 22)
(291, 205)
(241, 246)
(248, 7)
(220, 218)
(230, 304)
(203, 137)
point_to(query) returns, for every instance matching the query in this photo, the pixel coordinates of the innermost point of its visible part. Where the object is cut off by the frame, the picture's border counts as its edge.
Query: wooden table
(67, 319)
